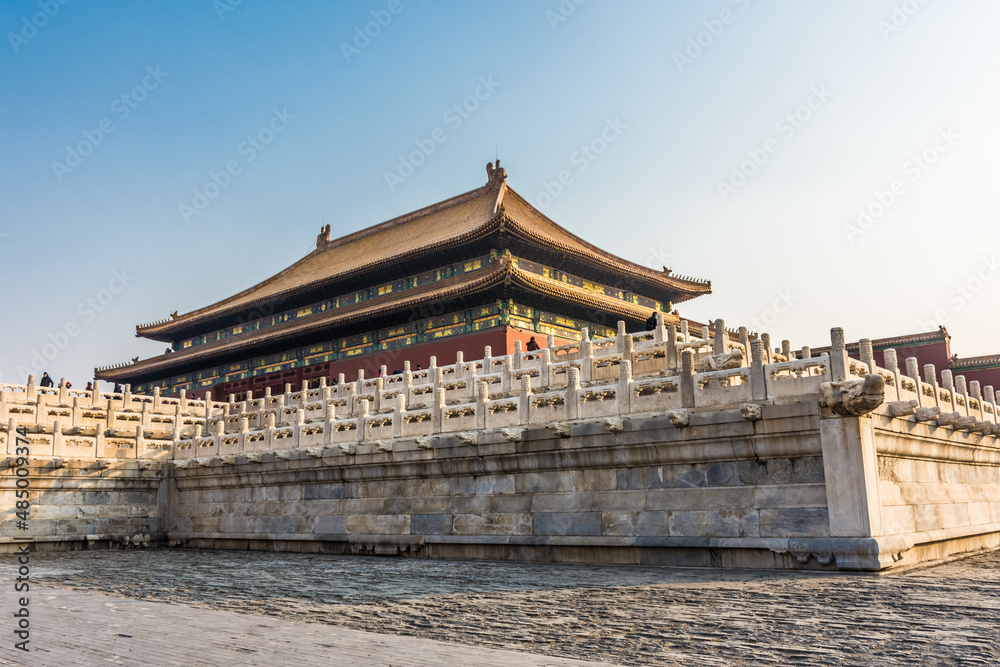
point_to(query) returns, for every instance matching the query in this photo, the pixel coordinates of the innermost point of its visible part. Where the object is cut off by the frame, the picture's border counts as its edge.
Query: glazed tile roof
(468, 216)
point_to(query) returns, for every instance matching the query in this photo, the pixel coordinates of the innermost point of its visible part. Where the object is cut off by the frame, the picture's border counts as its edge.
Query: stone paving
(943, 615)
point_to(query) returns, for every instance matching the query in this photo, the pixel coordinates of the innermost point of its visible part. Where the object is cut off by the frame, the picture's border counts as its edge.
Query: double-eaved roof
(492, 218)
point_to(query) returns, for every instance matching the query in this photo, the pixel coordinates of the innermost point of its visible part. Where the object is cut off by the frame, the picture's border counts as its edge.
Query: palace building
(481, 269)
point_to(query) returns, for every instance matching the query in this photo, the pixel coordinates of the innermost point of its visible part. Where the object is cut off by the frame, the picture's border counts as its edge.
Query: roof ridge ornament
(323, 238)
(495, 175)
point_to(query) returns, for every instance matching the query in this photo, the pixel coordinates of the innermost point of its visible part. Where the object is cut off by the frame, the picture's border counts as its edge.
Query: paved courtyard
(178, 607)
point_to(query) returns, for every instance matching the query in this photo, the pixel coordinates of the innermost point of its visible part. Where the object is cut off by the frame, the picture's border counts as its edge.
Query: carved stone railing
(666, 370)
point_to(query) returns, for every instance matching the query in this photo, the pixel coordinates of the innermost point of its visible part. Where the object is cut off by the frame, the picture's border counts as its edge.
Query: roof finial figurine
(497, 174)
(174, 315)
(323, 238)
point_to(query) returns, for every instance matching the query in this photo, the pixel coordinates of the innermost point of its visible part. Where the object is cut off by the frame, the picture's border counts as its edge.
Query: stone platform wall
(722, 492)
(84, 504)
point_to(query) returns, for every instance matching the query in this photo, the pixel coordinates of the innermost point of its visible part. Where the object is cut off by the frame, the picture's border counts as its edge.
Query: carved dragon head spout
(855, 397)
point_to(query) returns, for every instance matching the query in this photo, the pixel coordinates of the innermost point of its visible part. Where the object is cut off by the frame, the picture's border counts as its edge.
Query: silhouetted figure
(651, 322)
(90, 386)
(532, 344)
(118, 388)
(46, 381)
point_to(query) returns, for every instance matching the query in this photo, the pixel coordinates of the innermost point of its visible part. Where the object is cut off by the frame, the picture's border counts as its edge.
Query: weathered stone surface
(567, 523)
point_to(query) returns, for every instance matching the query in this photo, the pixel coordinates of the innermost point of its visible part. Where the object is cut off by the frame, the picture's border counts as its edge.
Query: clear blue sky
(113, 114)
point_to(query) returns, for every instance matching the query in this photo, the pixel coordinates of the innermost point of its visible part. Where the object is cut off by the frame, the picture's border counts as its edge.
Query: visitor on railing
(90, 386)
(532, 345)
(651, 322)
(46, 380)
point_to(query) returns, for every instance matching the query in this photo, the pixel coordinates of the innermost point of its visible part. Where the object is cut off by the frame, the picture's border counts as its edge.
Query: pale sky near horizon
(824, 164)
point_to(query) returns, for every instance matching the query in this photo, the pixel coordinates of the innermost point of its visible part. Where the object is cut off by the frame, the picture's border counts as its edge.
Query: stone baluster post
(472, 381)
(359, 385)
(3, 407)
(913, 372)
(974, 390)
(745, 342)
(300, 422)
(550, 340)
(758, 381)
(459, 365)
(660, 330)
(181, 400)
(545, 378)
(30, 392)
(766, 339)
(58, 445)
(990, 397)
(437, 411)
(398, 415)
(866, 353)
(892, 365)
(687, 378)
(620, 337)
(573, 393)
(524, 404)
(12, 436)
(379, 388)
(63, 392)
(963, 391)
(628, 347)
(95, 396)
(671, 343)
(482, 402)
(720, 343)
(684, 331)
(625, 388)
(806, 352)
(140, 444)
(269, 424)
(75, 416)
(518, 354)
(948, 382)
(839, 363)
(786, 349)
(704, 333)
(586, 354)
(930, 377)
(244, 428)
(157, 401)
(507, 376)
